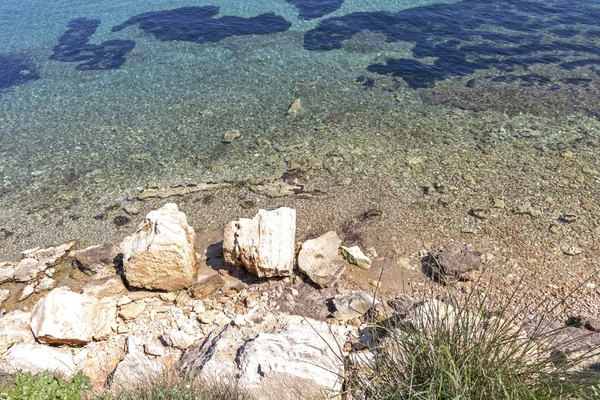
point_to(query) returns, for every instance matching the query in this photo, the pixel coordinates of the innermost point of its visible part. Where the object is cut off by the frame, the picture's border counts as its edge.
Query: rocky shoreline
(258, 308)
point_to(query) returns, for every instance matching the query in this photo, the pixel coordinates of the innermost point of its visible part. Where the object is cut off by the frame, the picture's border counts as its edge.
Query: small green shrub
(458, 349)
(47, 386)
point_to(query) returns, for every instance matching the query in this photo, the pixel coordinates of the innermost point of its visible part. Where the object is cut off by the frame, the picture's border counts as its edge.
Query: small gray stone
(352, 304)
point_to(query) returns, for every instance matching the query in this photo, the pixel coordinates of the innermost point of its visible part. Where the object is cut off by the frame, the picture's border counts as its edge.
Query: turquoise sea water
(99, 99)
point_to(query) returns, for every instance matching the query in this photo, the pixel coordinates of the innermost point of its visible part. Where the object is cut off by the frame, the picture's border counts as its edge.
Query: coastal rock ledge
(160, 254)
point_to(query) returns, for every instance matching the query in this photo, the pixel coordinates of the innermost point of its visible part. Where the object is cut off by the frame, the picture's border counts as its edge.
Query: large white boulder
(35, 358)
(160, 254)
(293, 358)
(264, 245)
(66, 317)
(320, 261)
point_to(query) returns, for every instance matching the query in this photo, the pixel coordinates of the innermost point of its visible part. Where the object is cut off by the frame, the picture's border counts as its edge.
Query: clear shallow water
(120, 107)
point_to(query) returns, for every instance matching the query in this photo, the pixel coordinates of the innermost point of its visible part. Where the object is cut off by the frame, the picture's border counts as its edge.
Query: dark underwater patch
(197, 24)
(310, 9)
(15, 71)
(472, 35)
(73, 46)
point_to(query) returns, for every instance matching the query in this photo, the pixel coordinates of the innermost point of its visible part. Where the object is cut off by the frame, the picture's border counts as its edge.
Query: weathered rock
(135, 367)
(27, 291)
(207, 287)
(178, 339)
(101, 359)
(36, 260)
(402, 304)
(352, 304)
(46, 283)
(155, 348)
(65, 317)
(132, 310)
(295, 108)
(295, 358)
(320, 261)
(96, 259)
(15, 328)
(160, 255)
(35, 358)
(455, 262)
(264, 245)
(230, 136)
(4, 294)
(355, 256)
(7, 272)
(165, 192)
(110, 286)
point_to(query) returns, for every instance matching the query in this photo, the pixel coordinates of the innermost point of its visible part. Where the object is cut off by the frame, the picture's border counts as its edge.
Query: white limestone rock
(135, 367)
(264, 245)
(355, 256)
(65, 317)
(7, 272)
(15, 328)
(36, 260)
(160, 254)
(4, 295)
(178, 339)
(320, 261)
(36, 358)
(295, 353)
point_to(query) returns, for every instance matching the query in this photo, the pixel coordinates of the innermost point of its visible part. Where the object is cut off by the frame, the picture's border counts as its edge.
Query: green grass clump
(46, 386)
(458, 349)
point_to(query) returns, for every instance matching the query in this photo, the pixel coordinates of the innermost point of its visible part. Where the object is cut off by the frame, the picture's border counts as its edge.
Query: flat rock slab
(36, 260)
(264, 245)
(320, 261)
(160, 254)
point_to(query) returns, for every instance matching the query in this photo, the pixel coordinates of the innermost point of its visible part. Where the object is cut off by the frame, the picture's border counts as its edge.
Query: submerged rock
(160, 254)
(264, 245)
(320, 261)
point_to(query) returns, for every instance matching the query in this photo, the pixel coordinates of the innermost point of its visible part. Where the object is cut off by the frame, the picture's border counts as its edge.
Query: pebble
(375, 283)
(568, 217)
(586, 205)
(499, 203)
(554, 228)
(230, 136)
(528, 210)
(570, 250)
